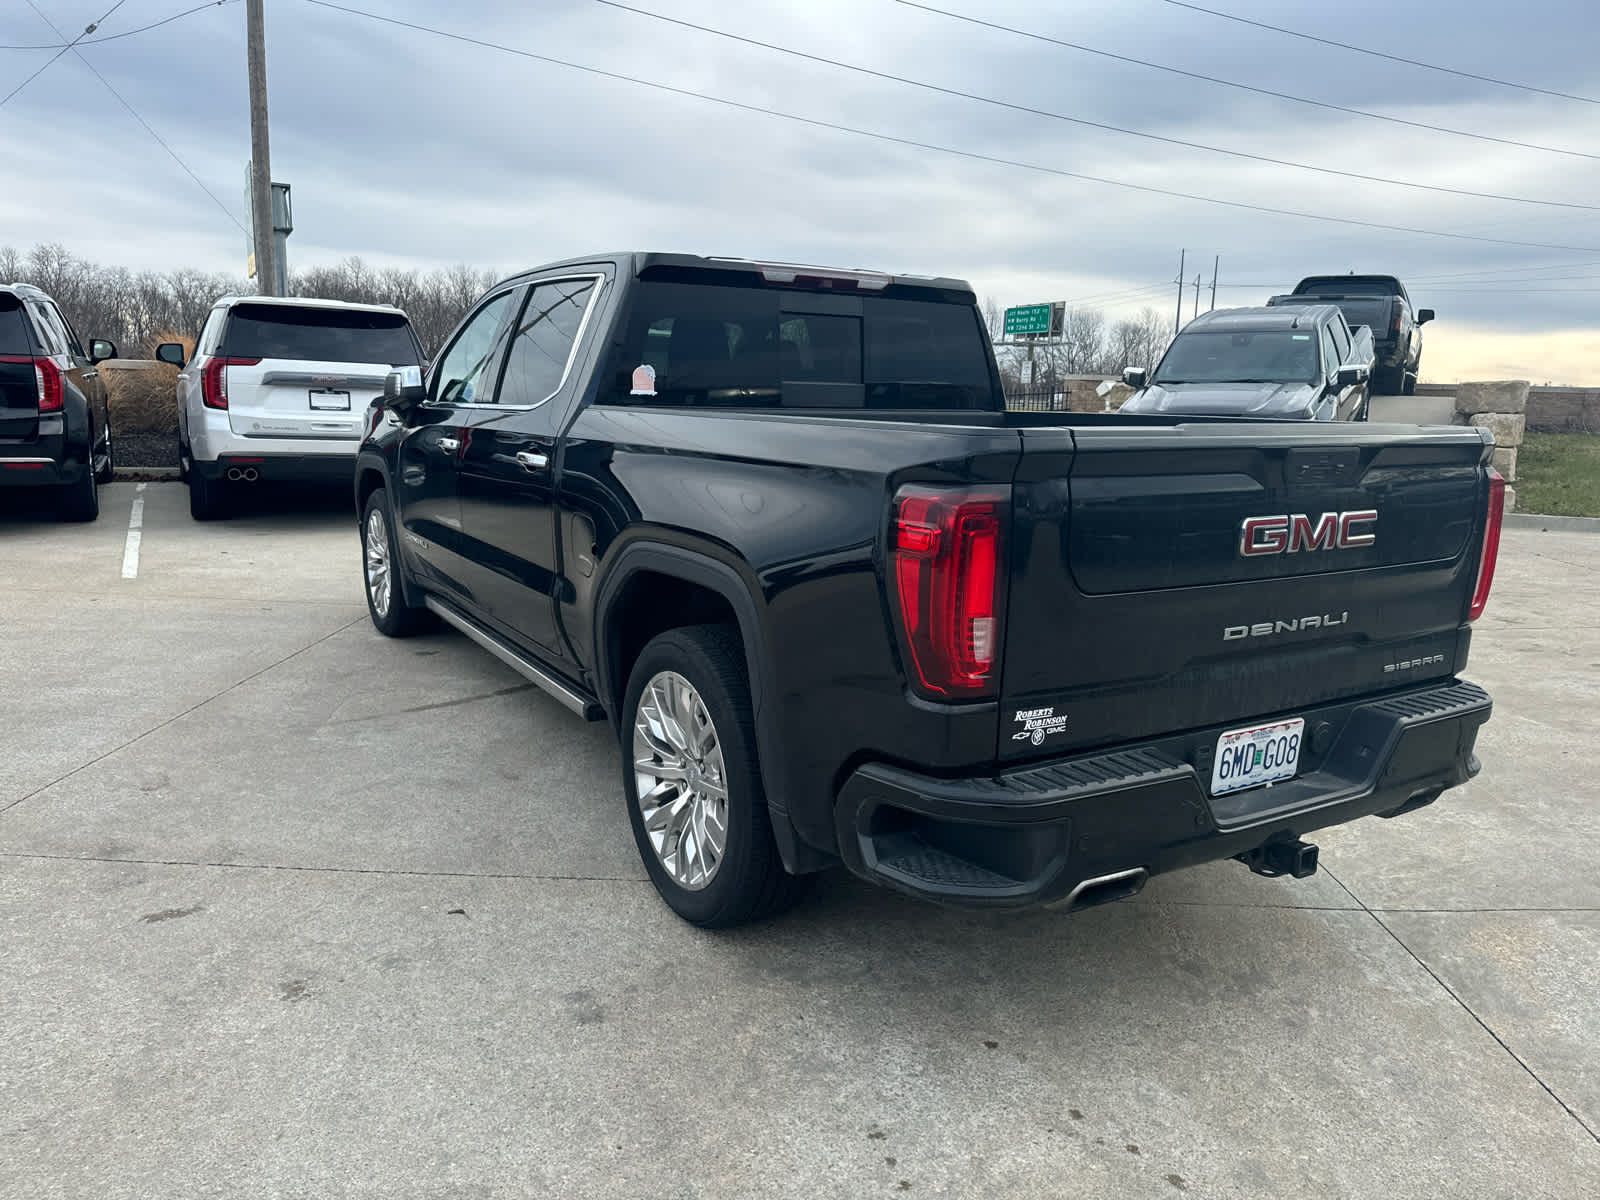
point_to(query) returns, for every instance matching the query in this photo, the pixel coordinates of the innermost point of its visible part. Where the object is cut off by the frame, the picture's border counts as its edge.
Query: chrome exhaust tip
(1103, 889)
(235, 474)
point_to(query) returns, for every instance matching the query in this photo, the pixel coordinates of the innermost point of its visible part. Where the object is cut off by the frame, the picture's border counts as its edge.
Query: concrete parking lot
(290, 909)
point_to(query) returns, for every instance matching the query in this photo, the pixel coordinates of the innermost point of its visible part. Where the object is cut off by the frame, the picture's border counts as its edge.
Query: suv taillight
(946, 564)
(1396, 310)
(1491, 544)
(214, 380)
(46, 377)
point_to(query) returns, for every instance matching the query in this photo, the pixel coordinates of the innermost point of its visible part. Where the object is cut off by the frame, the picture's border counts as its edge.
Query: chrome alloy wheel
(379, 581)
(681, 780)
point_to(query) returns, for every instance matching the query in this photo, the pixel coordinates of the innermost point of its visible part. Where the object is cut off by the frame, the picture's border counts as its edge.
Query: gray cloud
(406, 148)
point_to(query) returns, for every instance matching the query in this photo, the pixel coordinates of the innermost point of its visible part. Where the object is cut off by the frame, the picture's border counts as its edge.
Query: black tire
(1387, 381)
(208, 498)
(391, 615)
(1409, 387)
(80, 501)
(184, 457)
(750, 881)
(104, 474)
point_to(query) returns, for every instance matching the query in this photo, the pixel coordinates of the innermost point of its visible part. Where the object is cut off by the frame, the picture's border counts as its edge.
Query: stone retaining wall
(1549, 410)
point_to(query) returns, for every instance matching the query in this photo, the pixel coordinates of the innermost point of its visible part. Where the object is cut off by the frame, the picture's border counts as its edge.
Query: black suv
(55, 424)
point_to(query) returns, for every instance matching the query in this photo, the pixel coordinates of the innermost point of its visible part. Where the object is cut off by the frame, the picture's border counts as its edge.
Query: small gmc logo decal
(1290, 533)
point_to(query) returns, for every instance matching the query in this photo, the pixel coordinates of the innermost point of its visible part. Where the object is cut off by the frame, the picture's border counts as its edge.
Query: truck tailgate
(1165, 578)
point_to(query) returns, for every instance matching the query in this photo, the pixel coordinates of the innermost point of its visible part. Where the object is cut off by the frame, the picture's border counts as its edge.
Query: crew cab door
(509, 465)
(426, 499)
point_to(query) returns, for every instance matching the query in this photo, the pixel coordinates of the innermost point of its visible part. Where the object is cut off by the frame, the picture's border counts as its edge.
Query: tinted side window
(320, 335)
(210, 333)
(66, 328)
(459, 378)
(52, 340)
(15, 340)
(1341, 338)
(543, 340)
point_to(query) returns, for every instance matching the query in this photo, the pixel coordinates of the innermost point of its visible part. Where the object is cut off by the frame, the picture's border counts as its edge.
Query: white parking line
(130, 550)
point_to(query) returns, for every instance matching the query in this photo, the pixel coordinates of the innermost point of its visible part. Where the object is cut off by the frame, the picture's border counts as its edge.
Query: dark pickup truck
(774, 524)
(1379, 302)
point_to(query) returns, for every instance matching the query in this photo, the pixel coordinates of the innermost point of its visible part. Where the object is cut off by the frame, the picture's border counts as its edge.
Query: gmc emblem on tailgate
(1290, 533)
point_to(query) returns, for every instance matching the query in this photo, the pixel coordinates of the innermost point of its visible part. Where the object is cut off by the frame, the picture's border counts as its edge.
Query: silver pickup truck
(1301, 363)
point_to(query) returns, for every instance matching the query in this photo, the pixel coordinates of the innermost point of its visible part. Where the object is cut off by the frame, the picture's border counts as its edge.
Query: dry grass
(145, 401)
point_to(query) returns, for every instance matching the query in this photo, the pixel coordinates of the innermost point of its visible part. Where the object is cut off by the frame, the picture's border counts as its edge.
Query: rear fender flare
(724, 580)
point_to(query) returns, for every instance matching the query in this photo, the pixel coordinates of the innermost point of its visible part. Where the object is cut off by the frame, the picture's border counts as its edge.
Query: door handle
(450, 444)
(531, 461)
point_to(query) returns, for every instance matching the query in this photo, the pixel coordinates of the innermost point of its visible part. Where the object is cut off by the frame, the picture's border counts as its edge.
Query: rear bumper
(58, 455)
(284, 468)
(1037, 835)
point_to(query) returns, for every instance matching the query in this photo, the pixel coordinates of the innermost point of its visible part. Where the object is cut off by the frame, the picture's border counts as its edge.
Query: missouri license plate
(1256, 755)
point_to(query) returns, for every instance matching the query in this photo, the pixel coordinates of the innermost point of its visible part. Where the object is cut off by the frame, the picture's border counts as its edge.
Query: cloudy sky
(410, 148)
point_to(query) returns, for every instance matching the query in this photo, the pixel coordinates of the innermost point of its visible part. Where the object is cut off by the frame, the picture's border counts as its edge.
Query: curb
(145, 475)
(1552, 524)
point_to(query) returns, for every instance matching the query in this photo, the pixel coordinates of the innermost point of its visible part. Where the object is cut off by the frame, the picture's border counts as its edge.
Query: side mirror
(402, 389)
(170, 352)
(1424, 315)
(1350, 376)
(100, 350)
(1135, 377)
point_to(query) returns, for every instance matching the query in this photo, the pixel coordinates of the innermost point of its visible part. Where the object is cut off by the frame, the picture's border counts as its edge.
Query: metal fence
(1046, 401)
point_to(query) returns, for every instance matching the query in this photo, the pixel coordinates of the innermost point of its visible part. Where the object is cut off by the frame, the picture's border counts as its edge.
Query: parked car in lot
(55, 426)
(1293, 364)
(1379, 302)
(276, 391)
(774, 524)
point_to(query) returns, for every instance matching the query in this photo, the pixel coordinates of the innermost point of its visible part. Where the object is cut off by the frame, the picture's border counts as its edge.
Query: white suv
(278, 390)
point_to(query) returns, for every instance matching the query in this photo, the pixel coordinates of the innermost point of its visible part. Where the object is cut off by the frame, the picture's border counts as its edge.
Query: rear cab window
(329, 335)
(734, 341)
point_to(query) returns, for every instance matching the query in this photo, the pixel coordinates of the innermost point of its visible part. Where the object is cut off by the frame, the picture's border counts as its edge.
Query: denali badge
(1290, 533)
(1293, 625)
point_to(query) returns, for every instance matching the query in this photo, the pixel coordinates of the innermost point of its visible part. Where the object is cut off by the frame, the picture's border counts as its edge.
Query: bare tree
(134, 310)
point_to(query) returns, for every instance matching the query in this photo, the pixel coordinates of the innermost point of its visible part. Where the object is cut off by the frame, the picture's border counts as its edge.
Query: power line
(1245, 87)
(134, 113)
(1410, 62)
(973, 155)
(1056, 116)
(112, 37)
(87, 30)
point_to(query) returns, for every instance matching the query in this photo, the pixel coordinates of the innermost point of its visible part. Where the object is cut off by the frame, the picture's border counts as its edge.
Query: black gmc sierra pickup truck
(775, 525)
(1379, 302)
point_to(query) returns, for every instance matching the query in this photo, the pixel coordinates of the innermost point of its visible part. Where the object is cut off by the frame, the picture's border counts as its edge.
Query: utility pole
(1177, 318)
(260, 155)
(1215, 263)
(1197, 293)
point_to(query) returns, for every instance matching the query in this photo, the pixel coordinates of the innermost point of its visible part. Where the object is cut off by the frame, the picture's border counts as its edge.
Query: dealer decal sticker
(1037, 724)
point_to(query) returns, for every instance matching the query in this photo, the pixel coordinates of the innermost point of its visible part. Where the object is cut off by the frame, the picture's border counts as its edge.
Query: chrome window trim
(572, 353)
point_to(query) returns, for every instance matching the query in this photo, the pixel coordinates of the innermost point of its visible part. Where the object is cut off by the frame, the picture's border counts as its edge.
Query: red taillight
(1491, 544)
(946, 562)
(1394, 317)
(214, 380)
(46, 378)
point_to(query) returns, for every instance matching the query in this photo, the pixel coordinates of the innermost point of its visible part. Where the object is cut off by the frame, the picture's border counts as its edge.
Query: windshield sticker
(644, 380)
(1301, 337)
(1038, 724)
